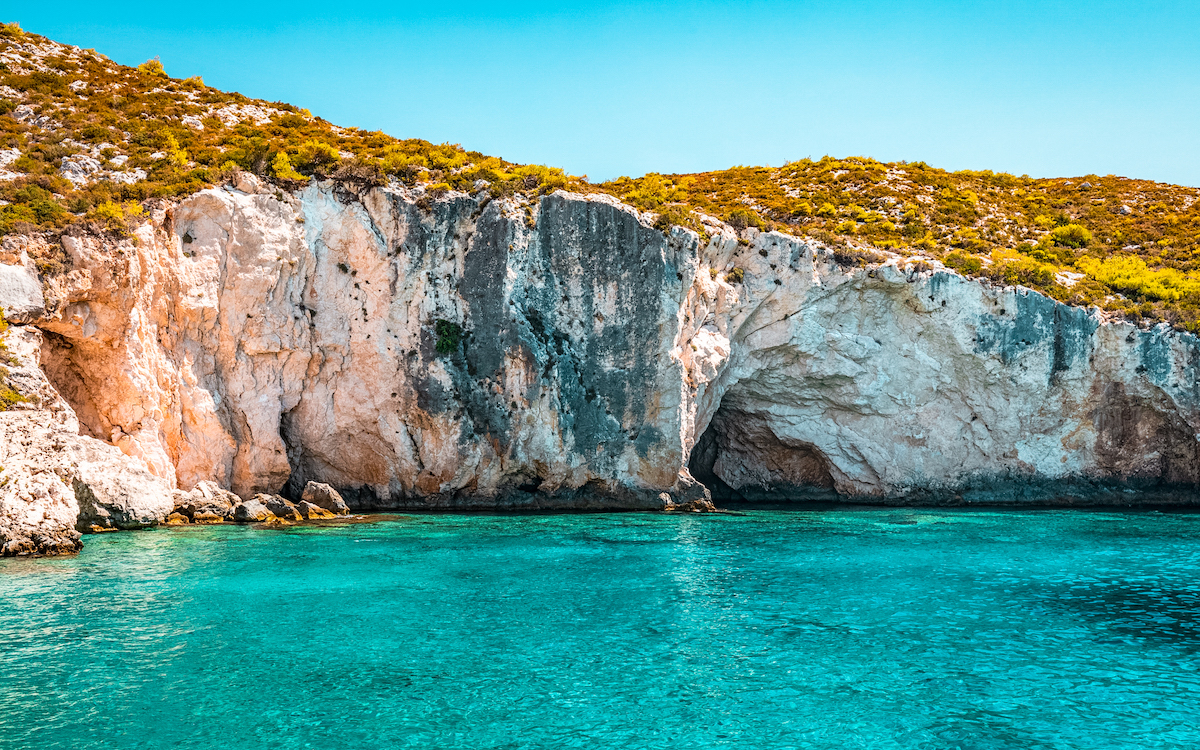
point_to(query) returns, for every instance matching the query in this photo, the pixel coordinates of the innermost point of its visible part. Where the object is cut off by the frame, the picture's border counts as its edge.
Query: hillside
(86, 143)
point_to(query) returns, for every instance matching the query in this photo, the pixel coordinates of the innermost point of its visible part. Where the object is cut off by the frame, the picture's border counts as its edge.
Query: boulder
(37, 511)
(324, 496)
(177, 519)
(281, 507)
(115, 492)
(251, 511)
(314, 512)
(246, 182)
(206, 499)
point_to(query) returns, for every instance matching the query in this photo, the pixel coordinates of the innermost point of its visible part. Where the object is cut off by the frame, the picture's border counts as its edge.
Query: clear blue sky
(1044, 88)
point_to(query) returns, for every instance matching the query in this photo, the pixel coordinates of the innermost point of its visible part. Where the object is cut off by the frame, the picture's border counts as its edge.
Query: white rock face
(21, 292)
(263, 343)
(892, 381)
(80, 169)
(55, 482)
(262, 340)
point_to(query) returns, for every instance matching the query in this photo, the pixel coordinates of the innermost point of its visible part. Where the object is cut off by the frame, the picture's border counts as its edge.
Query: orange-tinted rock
(313, 512)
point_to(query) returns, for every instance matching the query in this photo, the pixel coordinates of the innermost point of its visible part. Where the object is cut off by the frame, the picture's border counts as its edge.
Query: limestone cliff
(262, 340)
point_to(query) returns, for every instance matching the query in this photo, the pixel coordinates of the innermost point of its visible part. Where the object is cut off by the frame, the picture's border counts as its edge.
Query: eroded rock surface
(55, 482)
(895, 382)
(467, 352)
(263, 341)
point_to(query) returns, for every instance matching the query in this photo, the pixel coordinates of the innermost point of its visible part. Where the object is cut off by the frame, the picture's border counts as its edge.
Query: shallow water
(771, 629)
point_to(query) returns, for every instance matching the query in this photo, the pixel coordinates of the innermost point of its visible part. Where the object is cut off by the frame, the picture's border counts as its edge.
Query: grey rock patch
(21, 294)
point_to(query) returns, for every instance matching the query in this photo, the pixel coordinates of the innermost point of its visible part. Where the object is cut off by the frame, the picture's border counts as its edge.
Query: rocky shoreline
(207, 503)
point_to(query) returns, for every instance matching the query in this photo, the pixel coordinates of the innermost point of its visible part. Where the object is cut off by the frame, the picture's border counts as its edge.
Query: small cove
(830, 628)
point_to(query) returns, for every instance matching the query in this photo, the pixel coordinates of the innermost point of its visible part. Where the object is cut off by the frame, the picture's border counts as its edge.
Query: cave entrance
(741, 458)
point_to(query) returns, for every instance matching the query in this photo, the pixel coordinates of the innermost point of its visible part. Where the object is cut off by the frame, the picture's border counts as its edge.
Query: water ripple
(830, 629)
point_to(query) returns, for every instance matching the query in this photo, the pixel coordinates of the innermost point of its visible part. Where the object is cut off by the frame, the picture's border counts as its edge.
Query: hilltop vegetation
(1127, 245)
(85, 137)
(85, 143)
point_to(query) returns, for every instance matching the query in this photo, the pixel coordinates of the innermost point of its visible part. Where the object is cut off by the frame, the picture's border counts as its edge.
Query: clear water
(820, 629)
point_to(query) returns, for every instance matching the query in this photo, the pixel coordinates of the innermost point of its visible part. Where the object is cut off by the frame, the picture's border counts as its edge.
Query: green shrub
(153, 67)
(852, 256)
(671, 216)
(544, 179)
(114, 216)
(449, 336)
(964, 263)
(735, 276)
(926, 243)
(1010, 267)
(741, 218)
(1071, 235)
(1131, 275)
(283, 169)
(176, 156)
(365, 171)
(652, 191)
(8, 396)
(317, 156)
(1048, 253)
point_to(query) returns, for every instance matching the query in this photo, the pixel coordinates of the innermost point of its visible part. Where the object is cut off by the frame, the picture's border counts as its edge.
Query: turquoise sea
(763, 629)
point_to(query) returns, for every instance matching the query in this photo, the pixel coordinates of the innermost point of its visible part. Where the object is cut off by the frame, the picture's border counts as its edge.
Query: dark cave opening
(701, 462)
(741, 459)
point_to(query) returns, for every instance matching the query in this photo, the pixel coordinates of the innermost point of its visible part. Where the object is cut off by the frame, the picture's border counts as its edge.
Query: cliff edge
(452, 350)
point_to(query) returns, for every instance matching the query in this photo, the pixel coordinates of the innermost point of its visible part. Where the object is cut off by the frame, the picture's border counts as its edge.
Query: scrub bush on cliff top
(186, 136)
(153, 67)
(282, 168)
(1071, 235)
